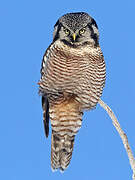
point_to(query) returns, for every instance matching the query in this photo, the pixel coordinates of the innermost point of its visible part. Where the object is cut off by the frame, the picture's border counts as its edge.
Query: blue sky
(26, 29)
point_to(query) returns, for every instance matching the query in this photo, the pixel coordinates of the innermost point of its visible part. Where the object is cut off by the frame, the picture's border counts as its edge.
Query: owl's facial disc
(78, 37)
(76, 29)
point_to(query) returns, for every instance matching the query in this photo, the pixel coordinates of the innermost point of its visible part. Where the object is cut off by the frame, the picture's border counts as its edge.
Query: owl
(72, 79)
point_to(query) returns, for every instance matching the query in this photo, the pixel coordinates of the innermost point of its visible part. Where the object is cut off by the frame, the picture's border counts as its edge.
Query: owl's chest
(68, 68)
(69, 73)
(81, 74)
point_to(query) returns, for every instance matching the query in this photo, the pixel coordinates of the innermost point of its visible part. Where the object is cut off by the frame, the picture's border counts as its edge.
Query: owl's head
(76, 29)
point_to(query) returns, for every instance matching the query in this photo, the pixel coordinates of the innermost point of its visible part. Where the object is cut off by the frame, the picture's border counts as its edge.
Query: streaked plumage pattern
(72, 80)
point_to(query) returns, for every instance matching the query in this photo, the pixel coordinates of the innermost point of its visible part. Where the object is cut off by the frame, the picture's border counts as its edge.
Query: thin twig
(122, 135)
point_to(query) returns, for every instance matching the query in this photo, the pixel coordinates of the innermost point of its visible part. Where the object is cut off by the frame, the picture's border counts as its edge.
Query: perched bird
(72, 80)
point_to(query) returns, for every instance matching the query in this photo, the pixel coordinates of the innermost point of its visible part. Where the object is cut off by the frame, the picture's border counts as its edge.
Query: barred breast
(74, 71)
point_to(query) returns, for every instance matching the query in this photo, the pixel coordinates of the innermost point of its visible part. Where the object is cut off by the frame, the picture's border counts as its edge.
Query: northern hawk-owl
(72, 80)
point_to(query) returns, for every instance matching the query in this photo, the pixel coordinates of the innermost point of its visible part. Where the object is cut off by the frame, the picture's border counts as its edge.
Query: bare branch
(122, 135)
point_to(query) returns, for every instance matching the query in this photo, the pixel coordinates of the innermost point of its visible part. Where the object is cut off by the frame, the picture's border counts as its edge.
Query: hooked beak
(74, 36)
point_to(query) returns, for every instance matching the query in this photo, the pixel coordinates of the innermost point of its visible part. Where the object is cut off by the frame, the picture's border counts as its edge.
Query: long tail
(66, 120)
(61, 151)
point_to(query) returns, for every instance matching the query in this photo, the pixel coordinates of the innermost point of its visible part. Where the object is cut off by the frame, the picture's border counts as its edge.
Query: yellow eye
(66, 31)
(82, 31)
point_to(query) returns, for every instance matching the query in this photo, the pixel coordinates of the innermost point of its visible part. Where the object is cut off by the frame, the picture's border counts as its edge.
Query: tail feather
(55, 155)
(66, 120)
(65, 159)
(61, 151)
